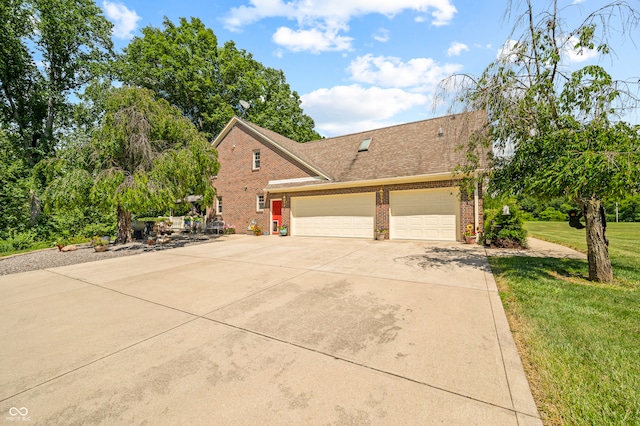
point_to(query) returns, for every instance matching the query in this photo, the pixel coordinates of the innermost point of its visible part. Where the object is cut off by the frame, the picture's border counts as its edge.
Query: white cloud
(321, 20)
(305, 11)
(574, 55)
(347, 109)
(314, 40)
(457, 48)
(507, 50)
(125, 21)
(421, 74)
(382, 35)
(568, 50)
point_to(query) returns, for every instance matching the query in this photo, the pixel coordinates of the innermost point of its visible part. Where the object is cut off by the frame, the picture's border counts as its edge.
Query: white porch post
(476, 220)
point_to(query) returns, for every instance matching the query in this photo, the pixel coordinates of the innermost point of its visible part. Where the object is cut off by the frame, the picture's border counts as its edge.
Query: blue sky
(362, 64)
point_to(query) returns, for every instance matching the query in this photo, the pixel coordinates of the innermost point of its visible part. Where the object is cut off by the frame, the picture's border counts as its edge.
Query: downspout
(475, 204)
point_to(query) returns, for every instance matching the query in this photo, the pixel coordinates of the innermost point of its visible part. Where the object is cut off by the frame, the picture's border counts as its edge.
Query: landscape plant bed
(51, 258)
(579, 340)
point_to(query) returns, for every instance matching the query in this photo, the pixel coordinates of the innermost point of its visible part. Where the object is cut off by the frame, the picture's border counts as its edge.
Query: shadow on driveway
(445, 257)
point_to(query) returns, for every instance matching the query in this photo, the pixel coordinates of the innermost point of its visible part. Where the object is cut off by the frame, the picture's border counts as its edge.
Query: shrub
(505, 230)
(552, 215)
(18, 241)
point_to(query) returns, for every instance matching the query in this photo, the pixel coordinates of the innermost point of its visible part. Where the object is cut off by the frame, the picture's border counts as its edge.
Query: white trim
(258, 209)
(476, 220)
(253, 159)
(295, 180)
(368, 182)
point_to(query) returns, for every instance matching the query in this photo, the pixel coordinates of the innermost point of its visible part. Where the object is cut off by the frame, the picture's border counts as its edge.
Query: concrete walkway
(265, 330)
(540, 248)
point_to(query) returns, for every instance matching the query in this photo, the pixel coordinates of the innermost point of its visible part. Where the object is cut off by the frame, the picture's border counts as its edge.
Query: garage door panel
(424, 214)
(449, 221)
(333, 215)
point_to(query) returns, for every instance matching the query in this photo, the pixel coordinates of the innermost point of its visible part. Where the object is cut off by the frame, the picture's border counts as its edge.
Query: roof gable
(286, 146)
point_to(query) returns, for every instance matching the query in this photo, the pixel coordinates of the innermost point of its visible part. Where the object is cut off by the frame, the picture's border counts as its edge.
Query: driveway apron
(264, 329)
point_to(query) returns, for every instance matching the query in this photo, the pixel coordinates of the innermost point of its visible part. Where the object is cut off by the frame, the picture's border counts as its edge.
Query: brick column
(382, 210)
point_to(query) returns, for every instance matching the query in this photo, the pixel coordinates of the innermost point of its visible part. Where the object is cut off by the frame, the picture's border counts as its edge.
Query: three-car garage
(420, 214)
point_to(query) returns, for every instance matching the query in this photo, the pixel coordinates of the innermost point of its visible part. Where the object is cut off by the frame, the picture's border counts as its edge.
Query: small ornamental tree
(144, 155)
(554, 132)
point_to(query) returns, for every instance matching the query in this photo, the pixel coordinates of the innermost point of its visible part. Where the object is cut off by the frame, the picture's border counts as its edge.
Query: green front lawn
(579, 340)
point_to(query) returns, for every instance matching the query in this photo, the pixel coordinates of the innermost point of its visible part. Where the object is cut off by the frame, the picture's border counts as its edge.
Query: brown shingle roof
(411, 149)
(404, 150)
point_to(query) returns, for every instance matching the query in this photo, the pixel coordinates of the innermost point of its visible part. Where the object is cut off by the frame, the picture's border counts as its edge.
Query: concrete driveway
(266, 330)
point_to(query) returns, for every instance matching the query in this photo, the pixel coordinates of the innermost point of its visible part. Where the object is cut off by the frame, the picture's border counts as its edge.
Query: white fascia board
(368, 182)
(295, 180)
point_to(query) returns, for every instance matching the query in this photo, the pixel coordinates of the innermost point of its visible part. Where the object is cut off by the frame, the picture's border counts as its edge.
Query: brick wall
(239, 185)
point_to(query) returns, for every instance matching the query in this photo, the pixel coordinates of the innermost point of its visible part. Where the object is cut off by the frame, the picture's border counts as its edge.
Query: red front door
(276, 216)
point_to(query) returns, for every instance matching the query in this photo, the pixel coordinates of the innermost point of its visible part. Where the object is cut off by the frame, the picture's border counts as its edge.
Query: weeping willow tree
(143, 155)
(557, 131)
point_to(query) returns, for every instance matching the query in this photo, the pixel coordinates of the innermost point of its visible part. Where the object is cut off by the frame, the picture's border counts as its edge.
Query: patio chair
(215, 227)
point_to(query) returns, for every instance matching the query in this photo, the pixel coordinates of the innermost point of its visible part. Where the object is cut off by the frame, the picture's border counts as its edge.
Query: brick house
(397, 178)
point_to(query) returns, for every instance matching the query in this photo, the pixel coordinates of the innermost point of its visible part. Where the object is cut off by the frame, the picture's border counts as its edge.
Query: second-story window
(256, 160)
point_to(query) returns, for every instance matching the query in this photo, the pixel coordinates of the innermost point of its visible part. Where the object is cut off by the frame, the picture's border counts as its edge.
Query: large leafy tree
(14, 189)
(556, 131)
(48, 49)
(185, 65)
(144, 155)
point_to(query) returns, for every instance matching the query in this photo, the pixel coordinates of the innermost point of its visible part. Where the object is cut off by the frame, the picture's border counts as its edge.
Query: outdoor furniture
(217, 227)
(177, 223)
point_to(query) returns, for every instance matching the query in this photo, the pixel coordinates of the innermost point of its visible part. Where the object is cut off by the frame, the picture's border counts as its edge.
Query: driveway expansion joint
(361, 365)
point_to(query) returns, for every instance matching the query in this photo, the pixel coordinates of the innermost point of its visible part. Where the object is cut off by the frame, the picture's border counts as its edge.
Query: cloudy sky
(362, 64)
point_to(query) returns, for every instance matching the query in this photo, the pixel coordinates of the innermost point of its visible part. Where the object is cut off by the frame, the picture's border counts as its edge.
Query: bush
(505, 230)
(18, 241)
(552, 215)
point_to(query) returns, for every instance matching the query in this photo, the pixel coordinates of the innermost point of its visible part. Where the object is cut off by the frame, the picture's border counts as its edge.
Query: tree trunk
(124, 226)
(597, 244)
(35, 209)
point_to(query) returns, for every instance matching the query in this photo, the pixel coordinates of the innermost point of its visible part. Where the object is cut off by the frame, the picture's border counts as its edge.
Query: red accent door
(276, 216)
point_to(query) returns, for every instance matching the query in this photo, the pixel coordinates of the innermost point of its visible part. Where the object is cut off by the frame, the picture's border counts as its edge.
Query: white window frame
(218, 205)
(258, 208)
(256, 160)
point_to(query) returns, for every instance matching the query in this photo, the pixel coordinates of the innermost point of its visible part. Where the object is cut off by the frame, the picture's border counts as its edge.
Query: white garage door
(424, 214)
(348, 215)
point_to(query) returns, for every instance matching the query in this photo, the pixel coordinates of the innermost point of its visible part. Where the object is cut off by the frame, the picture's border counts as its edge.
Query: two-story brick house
(397, 178)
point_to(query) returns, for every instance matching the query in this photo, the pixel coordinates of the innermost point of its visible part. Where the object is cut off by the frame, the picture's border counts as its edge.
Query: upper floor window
(260, 203)
(256, 160)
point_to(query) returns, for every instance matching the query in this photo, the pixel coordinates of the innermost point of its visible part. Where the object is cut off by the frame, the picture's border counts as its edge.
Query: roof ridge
(392, 126)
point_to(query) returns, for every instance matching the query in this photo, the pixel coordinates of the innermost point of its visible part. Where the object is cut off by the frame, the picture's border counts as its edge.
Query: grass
(579, 340)
(34, 247)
